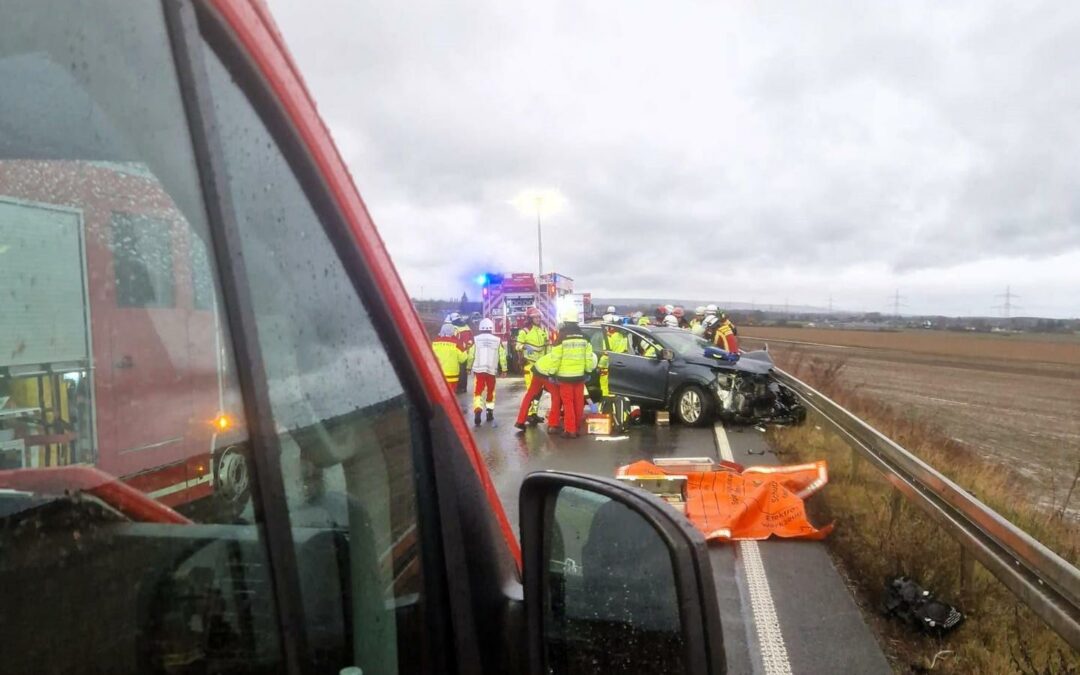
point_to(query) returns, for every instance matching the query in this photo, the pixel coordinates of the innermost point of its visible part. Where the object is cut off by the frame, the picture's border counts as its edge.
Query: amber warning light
(222, 422)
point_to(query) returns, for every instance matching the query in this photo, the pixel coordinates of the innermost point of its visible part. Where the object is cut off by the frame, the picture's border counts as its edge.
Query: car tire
(693, 406)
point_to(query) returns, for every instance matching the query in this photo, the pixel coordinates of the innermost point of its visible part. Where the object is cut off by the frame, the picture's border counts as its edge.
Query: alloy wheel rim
(690, 406)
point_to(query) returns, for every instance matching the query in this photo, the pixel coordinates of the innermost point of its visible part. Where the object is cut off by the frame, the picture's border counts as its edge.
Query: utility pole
(539, 241)
(897, 302)
(1007, 307)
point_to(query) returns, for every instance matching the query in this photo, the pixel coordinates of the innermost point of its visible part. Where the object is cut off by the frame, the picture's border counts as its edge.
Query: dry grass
(879, 535)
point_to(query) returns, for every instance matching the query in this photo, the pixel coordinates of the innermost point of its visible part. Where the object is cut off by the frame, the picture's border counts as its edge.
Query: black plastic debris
(917, 607)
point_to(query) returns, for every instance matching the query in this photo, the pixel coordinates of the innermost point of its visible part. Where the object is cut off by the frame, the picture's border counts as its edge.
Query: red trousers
(483, 381)
(537, 386)
(572, 395)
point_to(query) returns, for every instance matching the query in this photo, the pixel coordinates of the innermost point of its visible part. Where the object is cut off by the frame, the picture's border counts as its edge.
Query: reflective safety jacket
(532, 342)
(573, 358)
(546, 365)
(488, 354)
(464, 336)
(450, 355)
(644, 321)
(725, 337)
(616, 344)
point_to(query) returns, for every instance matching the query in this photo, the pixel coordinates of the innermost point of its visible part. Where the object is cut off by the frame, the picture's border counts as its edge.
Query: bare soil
(1013, 399)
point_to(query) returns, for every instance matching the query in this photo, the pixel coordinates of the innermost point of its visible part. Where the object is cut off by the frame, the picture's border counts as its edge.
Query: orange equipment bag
(732, 503)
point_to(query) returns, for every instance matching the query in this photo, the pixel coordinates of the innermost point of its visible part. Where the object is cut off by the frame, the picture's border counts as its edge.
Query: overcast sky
(742, 151)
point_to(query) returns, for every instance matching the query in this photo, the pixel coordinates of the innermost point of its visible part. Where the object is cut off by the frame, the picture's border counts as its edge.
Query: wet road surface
(817, 626)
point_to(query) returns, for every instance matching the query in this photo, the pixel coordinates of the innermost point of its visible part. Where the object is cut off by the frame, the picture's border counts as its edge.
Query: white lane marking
(770, 638)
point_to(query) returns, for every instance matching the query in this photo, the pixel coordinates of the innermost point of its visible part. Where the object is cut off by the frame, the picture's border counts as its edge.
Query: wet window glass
(126, 541)
(141, 248)
(343, 418)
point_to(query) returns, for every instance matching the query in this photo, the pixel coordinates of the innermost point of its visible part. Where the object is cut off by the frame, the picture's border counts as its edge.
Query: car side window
(345, 423)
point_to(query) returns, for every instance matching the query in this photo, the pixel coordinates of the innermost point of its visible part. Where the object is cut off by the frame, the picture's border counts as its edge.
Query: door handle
(619, 365)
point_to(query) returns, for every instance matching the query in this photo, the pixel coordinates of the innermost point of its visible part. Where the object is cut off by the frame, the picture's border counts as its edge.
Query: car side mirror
(667, 355)
(616, 581)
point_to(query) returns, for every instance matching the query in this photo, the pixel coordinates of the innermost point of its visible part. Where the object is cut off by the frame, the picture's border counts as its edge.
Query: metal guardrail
(1039, 578)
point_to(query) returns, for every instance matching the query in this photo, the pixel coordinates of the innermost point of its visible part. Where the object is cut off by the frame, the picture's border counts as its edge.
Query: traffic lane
(823, 630)
(510, 455)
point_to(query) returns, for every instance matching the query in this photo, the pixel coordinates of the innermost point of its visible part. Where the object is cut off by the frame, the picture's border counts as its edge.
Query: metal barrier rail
(1040, 578)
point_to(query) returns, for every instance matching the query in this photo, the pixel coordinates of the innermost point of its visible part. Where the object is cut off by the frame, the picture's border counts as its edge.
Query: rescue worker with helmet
(615, 342)
(640, 319)
(725, 337)
(695, 323)
(573, 359)
(680, 314)
(464, 335)
(488, 359)
(543, 379)
(449, 353)
(532, 343)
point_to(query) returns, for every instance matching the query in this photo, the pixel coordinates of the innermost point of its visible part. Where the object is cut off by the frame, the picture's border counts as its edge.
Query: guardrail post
(967, 578)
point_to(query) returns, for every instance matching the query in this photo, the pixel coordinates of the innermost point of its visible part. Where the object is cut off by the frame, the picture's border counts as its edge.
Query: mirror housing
(639, 577)
(667, 355)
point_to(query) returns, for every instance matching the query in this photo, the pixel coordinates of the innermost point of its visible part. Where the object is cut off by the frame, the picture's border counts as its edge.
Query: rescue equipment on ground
(729, 502)
(917, 607)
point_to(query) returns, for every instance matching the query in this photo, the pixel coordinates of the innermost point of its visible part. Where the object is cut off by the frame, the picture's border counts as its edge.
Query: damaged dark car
(672, 369)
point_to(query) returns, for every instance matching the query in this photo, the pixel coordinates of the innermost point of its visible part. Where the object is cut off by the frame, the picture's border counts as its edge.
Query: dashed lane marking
(770, 639)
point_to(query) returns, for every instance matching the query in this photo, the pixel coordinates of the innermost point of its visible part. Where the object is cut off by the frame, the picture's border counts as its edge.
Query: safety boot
(490, 415)
(476, 418)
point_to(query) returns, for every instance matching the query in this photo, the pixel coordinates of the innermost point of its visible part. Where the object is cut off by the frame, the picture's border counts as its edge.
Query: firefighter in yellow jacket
(451, 356)
(615, 343)
(573, 359)
(532, 343)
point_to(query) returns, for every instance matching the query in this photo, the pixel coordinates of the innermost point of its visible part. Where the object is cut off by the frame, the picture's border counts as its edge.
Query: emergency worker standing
(573, 359)
(464, 336)
(616, 343)
(488, 358)
(725, 337)
(450, 355)
(699, 317)
(532, 343)
(543, 379)
(640, 319)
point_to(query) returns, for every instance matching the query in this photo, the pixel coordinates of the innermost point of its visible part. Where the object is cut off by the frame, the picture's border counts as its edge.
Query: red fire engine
(508, 296)
(143, 391)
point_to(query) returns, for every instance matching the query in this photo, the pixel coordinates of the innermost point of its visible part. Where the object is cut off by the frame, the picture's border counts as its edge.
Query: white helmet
(710, 310)
(611, 309)
(671, 321)
(669, 308)
(637, 315)
(699, 310)
(487, 325)
(710, 321)
(452, 317)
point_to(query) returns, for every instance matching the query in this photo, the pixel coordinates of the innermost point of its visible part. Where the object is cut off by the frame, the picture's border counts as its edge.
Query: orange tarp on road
(755, 503)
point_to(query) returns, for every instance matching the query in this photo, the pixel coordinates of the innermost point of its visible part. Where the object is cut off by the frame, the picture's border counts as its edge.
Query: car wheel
(233, 489)
(693, 406)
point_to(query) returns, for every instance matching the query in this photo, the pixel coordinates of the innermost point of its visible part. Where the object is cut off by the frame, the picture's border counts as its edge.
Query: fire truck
(508, 296)
(144, 390)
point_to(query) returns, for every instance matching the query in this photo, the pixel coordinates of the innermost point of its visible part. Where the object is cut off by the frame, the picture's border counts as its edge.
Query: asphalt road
(817, 626)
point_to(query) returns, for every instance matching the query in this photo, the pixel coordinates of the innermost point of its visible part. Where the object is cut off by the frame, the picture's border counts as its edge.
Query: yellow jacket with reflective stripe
(546, 365)
(536, 339)
(616, 344)
(450, 355)
(574, 359)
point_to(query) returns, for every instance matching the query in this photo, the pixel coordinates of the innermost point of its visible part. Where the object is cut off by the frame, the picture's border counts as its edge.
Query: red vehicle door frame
(252, 25)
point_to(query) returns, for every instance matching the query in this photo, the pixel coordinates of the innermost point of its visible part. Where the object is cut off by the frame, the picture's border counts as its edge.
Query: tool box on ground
(618, 408)
(599, 424)
(663, 418)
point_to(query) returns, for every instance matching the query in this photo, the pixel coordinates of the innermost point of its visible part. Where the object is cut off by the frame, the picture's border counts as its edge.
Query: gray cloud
(730, 150)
